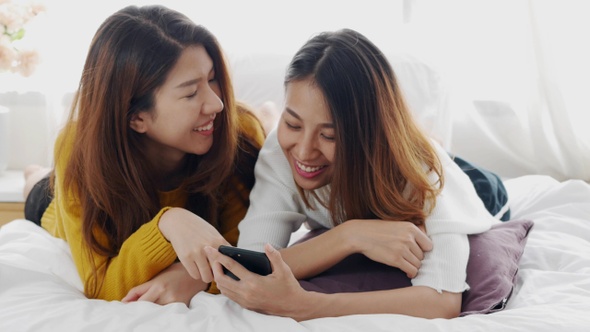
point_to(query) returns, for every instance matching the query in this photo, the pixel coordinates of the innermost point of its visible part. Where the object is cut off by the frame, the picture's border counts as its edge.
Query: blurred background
(517, 71)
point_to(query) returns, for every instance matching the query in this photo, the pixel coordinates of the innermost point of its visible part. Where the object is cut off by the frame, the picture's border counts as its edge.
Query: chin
(202, 149)
(309, 184)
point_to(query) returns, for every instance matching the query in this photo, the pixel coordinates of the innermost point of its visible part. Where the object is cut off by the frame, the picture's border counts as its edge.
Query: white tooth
(207, 127)
(307, 168)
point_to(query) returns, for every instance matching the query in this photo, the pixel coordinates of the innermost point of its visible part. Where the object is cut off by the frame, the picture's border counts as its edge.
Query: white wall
(517, 69)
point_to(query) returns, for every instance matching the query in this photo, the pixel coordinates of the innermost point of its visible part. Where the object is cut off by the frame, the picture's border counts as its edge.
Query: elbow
(451, 312)
(445, 305)
(448, 305)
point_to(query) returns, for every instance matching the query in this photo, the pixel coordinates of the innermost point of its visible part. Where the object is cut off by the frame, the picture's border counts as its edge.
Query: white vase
(4, 134)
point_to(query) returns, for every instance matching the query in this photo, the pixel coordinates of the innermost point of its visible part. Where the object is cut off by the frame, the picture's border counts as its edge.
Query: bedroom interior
(500, 83)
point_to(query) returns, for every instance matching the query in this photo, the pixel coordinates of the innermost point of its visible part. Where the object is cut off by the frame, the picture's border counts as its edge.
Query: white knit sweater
(276, 211)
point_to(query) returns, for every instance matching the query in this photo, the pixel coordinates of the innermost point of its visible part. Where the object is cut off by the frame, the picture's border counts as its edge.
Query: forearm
(143, 255)
(316, 255)
(414, 301)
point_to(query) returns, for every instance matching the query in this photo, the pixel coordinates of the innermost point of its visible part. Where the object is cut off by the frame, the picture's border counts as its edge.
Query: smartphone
(254, 261)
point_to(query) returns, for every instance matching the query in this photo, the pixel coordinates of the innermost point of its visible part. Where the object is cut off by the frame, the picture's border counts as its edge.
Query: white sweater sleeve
(275, 210)
(458, 212)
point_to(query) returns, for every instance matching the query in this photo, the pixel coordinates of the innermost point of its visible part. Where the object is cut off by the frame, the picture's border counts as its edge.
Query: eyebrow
(196, 80)
(328, 125)
(188, 83)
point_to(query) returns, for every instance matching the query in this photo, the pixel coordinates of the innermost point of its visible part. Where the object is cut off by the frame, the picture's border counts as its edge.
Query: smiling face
(306, 134)
(182, 120)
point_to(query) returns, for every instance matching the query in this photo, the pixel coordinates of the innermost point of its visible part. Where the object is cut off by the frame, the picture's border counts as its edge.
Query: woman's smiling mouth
(308, 171)
(205, 130)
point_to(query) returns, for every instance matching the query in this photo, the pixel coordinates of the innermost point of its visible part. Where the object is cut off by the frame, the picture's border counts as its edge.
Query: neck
(169, 175)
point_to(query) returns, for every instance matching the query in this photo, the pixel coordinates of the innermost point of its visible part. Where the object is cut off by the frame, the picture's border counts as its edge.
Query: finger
(229, 263)
(412, 259)
(130, 297)
(150, 296)
(213, 256)
(226, 285)
(274, 256)
(226, 288)
(204, 268)
(424, 241)
(215, 261)
(190, 267)
(217, 269)
(135, 293)
(210, 252)
(410, 270)
(416, 251)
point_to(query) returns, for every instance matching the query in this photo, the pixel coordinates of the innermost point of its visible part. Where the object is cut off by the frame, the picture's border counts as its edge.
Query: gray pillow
(491, 269)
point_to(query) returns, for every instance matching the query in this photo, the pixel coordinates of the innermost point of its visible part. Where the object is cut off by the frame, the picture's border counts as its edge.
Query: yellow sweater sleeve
(144, 254)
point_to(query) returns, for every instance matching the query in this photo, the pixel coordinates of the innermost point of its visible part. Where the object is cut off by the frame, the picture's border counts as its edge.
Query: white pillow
(426, 94)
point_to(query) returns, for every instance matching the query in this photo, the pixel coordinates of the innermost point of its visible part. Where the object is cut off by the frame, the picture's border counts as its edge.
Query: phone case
(254, 261)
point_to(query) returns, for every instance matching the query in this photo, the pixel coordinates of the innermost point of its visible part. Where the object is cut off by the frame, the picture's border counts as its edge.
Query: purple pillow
(491, 269)
(492, 266)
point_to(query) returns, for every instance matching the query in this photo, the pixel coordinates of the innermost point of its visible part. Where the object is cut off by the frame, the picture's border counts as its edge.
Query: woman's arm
(280, 294)
(189, 234)
(397, 244)
(174, 284)
(144, 254)
(417, 301)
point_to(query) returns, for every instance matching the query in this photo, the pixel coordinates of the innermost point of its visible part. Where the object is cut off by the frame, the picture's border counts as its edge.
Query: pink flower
(13, 18)
(8, 56)
(27, 62)
(37, 8)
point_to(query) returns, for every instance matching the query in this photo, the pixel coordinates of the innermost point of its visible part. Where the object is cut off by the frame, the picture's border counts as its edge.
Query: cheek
(329, 152)
(284, 136)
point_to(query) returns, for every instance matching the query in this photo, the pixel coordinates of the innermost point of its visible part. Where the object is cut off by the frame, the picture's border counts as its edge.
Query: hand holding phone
(254, 261)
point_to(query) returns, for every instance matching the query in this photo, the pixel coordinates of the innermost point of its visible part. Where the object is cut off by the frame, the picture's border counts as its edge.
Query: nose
(212, 104)
(306, 148)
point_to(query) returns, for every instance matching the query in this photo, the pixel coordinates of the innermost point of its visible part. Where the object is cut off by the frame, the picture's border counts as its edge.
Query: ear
(138, 122)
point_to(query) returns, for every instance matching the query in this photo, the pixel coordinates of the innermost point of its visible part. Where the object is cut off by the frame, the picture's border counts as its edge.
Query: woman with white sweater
(347, 156)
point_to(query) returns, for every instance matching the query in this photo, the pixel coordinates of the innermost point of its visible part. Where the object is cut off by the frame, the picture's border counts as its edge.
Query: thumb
(274, 256)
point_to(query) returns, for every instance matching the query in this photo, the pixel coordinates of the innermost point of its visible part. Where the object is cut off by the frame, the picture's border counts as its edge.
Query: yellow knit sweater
(146, 252)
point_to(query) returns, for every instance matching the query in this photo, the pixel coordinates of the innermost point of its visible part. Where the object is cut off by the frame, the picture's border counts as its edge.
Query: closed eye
(291, 126)
(327, 137)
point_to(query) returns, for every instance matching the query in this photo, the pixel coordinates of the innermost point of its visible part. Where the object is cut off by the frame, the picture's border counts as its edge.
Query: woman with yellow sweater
(155, 161)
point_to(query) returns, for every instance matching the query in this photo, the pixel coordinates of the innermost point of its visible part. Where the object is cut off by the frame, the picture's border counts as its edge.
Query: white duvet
(40, 289)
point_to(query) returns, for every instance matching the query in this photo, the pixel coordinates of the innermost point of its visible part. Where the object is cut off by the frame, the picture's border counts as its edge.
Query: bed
(41, 291)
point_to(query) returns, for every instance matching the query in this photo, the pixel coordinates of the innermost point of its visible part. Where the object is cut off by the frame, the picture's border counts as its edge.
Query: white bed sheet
(40, 289)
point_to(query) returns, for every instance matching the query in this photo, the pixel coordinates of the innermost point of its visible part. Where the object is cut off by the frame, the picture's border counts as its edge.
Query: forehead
(194, 62)
(306, 99)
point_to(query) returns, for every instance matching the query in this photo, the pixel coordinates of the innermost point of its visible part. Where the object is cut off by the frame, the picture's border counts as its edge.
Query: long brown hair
(382, 158)
(129, 59)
